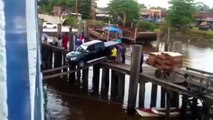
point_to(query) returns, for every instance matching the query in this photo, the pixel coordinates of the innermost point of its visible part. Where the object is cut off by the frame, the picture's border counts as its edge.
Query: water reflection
(65, 103)
(196, 57)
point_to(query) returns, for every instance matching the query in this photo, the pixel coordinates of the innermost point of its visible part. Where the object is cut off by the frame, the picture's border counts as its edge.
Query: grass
(204, 32)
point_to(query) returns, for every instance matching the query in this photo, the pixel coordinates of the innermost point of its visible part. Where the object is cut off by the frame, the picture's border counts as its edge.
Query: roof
(113, 29)
(92, 42)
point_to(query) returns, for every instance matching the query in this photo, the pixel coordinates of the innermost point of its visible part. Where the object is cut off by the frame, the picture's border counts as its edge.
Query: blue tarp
(113, 29)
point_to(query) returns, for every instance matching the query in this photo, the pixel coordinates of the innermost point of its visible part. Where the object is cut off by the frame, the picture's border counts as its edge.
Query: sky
(153, 3)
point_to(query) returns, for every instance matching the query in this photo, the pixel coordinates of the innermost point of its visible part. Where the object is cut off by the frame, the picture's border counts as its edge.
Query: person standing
(123, 54)
(113, 53)
(141, 62)
(65, 41)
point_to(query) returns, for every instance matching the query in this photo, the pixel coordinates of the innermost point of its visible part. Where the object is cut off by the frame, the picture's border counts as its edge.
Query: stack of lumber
(165, 60)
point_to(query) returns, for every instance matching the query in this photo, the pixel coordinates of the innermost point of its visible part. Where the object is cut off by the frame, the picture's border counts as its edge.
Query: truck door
(91, 53)
(99, 47)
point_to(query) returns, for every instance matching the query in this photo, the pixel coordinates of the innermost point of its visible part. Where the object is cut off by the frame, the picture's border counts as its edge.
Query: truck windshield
(82, 48)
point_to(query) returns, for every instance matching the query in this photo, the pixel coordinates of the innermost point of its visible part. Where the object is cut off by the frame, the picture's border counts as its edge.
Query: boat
(157, 112)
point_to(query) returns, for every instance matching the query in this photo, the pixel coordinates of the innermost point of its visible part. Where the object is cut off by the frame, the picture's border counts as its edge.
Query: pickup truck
(90, 52)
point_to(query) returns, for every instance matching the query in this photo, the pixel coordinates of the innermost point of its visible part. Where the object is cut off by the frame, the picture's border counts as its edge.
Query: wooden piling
(175, 99)
(71, 48)
(168, 104)
(95, 81)
(153, 95)
(65, 69)
(44, 57)
(85, 75)
(194, 108)
(134, 75)
(57, 59)
(49, 58)
(72, 75)
(184, 107)
(78, 77)
(142, 94)
(114, 84)
(121, 86)
(105, 82)
(162, 103)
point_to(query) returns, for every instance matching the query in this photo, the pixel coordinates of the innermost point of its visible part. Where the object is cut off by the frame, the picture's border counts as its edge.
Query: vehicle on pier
(90, 52)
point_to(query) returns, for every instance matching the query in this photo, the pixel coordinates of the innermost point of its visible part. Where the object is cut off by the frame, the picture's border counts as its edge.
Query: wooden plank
(55, 69)
(176, 88)
(196, 70)
(71, 71)
(55, 48)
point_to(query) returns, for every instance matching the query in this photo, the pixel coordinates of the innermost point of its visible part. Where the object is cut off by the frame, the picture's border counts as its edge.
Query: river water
(69, 102)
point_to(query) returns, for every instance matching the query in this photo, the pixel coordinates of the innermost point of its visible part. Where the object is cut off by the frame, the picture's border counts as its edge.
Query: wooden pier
(172, 88)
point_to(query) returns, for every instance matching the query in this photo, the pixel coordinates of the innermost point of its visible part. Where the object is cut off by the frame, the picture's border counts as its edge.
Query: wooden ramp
(66, 72)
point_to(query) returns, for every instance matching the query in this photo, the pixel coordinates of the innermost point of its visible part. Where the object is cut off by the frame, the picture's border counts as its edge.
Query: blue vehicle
(90, 52)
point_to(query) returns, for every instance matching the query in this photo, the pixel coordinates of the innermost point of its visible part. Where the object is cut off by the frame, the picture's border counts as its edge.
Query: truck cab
(89, 52)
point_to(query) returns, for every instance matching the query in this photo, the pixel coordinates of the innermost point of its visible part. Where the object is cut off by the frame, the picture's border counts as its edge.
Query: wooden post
(72, 75)
(194, 109)
(168, 103)
(142, 94)
(44, 53)
(162, 103)
(135, 35)
(114, 84)
(206, 109)
(175, 99)
(49, 58)
(85, 79)
(121, 86)
(95, 81)
(65, 69)
(158, 40)
(184, 107)
(105, 82)
(154, 95)
(57, 59)
(168, 40)
(78, 77)
(133, 83)
(59, 29)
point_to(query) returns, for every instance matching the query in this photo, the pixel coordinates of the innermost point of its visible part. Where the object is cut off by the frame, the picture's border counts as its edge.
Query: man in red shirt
(65, 41)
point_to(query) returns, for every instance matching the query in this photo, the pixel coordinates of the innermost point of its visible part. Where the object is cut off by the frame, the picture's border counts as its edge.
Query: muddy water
(69, 102)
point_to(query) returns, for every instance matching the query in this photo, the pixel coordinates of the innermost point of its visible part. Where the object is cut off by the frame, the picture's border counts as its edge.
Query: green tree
(200, 6)
(146, 26)
(84, 8)
(126, 10)
(71, 21)
(46, 6)
(181, 13)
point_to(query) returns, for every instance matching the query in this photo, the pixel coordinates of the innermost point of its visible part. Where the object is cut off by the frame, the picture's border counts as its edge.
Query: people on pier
(123, 54)
(113, 54)
(45, 36)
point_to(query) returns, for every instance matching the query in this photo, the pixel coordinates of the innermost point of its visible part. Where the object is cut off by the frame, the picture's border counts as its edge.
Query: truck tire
(81, 63)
